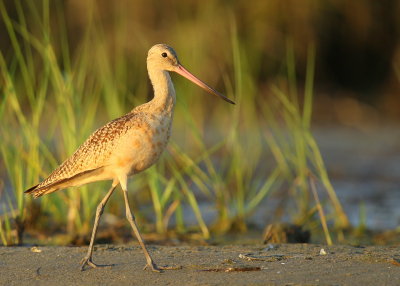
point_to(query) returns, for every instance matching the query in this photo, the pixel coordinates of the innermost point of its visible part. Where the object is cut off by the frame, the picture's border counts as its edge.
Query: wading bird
(127, 145)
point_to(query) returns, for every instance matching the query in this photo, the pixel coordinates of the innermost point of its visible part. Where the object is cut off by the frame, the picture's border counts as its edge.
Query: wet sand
(287, 264)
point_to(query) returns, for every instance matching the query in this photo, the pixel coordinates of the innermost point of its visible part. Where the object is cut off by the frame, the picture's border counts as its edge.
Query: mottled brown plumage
(126, 145)
(93, 160)
(91, 155)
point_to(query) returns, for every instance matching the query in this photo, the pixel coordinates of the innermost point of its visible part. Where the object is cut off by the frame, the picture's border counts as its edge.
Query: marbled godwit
(126, 145)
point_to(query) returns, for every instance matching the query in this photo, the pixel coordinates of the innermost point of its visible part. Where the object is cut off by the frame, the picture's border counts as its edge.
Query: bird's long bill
(185, 73)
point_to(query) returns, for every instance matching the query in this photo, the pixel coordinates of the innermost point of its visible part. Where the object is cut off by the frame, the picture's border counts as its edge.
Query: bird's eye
(164, 55)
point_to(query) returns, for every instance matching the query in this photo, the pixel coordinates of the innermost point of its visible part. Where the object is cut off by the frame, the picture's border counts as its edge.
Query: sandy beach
(287, 264)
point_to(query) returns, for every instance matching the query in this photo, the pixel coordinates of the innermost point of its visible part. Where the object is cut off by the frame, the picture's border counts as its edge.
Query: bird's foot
(153, 267)
(87, 261)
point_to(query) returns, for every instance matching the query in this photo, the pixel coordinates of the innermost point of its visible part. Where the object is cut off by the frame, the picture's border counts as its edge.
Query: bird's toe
(87, 261)
(153, 267)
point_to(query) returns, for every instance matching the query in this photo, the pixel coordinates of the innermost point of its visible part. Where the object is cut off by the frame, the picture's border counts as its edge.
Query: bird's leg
(87, 260)
(131, 219)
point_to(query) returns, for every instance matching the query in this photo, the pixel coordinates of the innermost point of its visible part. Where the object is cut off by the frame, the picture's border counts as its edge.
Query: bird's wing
(92, 154)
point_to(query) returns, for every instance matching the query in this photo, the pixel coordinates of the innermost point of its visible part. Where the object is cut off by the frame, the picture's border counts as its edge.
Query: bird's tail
(76, 180)
(38, 192)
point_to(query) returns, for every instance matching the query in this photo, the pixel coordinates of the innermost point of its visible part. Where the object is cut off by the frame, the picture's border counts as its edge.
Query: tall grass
(234, 158)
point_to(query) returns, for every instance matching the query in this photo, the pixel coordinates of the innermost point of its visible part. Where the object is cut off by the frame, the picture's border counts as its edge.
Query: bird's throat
(164, 92)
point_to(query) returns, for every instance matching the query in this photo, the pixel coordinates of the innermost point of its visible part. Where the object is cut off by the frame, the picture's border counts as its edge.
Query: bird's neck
(164, 92)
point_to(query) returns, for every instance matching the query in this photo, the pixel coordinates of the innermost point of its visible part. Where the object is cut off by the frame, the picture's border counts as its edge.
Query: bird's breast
(142, 145)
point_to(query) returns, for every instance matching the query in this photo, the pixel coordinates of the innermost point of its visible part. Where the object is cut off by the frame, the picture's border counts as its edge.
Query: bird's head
(163, 57)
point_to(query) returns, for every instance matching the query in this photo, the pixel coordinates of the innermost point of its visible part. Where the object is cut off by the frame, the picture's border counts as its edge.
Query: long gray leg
(131, 219)
(87, 260)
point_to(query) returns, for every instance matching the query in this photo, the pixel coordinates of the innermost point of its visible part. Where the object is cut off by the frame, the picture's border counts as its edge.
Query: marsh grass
(234, 158)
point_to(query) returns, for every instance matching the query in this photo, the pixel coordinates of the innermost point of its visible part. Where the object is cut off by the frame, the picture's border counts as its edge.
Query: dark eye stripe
(164, 55)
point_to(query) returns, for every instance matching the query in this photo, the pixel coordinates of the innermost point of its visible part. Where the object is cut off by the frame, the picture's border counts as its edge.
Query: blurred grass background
(68, 67)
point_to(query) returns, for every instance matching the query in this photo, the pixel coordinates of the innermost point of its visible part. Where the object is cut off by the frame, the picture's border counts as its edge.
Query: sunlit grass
(234, 157)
